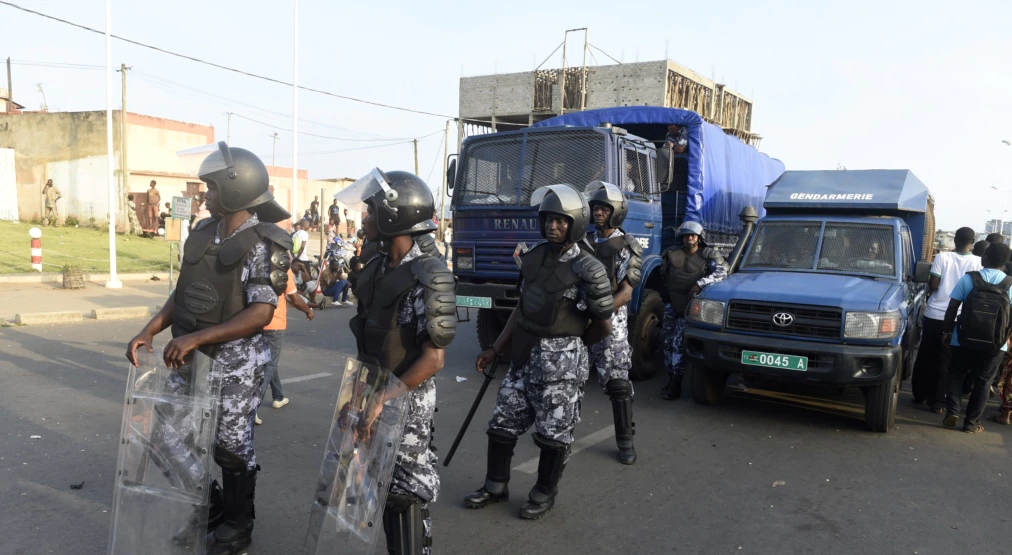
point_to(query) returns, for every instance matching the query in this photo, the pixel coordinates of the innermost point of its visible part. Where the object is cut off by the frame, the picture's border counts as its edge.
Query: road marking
(531, 466)
(306, 378)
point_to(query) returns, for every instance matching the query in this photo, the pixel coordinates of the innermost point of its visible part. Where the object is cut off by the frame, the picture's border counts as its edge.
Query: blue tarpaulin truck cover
(725, 174)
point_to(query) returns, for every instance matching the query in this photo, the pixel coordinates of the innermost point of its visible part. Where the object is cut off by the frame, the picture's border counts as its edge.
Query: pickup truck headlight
(705, 311)
(872, 325)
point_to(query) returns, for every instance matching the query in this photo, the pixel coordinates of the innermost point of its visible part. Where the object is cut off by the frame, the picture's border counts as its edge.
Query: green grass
(81, 246)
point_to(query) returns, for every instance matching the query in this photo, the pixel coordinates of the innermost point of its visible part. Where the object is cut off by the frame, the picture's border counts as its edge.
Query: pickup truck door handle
(649, 225)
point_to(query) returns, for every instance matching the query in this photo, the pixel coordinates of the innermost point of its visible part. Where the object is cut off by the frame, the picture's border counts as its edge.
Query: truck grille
(495, 257)
(808, 321)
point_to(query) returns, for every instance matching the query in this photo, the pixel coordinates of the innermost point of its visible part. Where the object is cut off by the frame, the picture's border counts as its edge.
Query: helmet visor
(354, 196)
(613, 193)
(206, 159)
(566, 193)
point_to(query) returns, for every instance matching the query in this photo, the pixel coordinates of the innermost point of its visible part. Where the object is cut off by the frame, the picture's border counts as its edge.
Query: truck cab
(829, 290)
(492, 181)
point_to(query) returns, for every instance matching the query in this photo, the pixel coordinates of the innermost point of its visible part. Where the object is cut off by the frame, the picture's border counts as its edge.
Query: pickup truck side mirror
(922, 272)
(451, 174)
(665, 168)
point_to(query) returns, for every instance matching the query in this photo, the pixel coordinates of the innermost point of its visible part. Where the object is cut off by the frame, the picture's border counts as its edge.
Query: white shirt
(950, 267)
(301, 237)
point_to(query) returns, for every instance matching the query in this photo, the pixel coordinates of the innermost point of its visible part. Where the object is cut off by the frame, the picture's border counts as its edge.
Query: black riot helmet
(599, 192)
(401, 202)
(241, 178)
(564, 201)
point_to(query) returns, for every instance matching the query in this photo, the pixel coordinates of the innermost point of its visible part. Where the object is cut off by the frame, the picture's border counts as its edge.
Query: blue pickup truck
(492, 180)
(829, 290)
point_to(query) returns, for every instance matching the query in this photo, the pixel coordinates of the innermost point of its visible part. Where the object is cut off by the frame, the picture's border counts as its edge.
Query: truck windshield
(490, 168)
(845, 247)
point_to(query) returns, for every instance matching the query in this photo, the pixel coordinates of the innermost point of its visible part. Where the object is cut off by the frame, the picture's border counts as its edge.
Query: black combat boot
(235, 533)
(215, 515)
(620, 392)
(542, 496)
(497, 475)
(673, 391)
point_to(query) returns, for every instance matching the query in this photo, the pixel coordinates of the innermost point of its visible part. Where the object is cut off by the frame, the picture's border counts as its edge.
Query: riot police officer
(234, 266)
(564, 296)
(622, 257)
(408, 337)
(688, 267)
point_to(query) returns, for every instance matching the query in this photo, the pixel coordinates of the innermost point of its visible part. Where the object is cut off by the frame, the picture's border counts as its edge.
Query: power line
(433, 168)
(224, 67)
(301, 154)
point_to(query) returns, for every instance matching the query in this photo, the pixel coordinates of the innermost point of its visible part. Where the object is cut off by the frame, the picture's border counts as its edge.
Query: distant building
(945, 240)
(515, 100)
(70, 148)
(992, 226)
(6, 104)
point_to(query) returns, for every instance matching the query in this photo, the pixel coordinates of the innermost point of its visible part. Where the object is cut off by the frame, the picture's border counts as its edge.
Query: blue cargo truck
(829, 290)
(492, 180)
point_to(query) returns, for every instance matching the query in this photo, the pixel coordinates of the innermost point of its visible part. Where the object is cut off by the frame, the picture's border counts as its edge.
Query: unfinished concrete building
(517, 100)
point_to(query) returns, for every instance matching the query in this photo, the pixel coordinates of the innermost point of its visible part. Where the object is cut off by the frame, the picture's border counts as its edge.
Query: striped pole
(36, 235)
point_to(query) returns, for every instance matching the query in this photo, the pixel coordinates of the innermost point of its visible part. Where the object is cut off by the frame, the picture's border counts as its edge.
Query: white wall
(84, 184)
(8, 186)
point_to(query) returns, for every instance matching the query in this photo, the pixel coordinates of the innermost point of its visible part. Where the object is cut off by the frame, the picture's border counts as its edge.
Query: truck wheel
(707, 384)
(646, 338)
(880, 404)
(489, 327)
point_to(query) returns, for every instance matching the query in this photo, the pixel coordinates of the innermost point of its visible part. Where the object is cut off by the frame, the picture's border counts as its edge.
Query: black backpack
(984, 320)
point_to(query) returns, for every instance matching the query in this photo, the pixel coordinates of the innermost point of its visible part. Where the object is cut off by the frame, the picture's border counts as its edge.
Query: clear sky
(924, 85)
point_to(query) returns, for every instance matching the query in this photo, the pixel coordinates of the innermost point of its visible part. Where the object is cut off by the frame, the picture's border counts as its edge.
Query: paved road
(703, 483)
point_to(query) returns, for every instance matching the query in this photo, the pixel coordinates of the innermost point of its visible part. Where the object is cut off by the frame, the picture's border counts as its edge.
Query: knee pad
(545, 443)
(404, 525)
(228, 460)
(500, 436)
(619, 388)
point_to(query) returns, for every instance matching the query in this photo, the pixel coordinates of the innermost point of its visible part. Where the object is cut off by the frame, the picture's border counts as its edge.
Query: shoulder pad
(711, 253)
(276, 235)
(431, 273)
(204, 223)
(634, 244)
(438, 285)
(634, 273)
(537, 245)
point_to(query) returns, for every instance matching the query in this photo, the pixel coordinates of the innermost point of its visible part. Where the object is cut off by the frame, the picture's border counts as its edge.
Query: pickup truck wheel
(646, 338)
(489, 327)
(880, 404)
(707, 384)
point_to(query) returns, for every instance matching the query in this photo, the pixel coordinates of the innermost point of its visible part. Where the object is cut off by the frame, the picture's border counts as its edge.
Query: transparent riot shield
(358, 462)
(162, 480)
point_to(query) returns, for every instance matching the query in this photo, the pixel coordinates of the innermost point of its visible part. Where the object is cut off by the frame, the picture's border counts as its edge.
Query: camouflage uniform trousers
(673, 329)
(175, 426)
(415, 470)
(545, 392)
(611, 357)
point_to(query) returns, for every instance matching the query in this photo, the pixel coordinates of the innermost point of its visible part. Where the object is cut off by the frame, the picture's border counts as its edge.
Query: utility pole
(446, 183)
(114, 282)
(415, 142)
(123, 172)
(274, 147)
(10, 89)
(295, 113)
(228, 132)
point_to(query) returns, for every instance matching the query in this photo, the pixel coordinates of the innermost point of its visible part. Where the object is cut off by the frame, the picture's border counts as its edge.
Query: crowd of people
(965, 332)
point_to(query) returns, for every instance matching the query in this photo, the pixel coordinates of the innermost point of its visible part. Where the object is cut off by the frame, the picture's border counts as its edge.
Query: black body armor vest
(545, 312)
(381, 341)
(683, 272)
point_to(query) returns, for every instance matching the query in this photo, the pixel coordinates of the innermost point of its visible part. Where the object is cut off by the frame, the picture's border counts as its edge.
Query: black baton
(489, 373)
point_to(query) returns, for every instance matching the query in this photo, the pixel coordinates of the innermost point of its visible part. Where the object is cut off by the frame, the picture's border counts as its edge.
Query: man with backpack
(980, 339)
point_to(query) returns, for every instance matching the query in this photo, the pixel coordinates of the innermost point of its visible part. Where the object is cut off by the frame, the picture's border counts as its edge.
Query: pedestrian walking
(154, 199)
(980, 339)
(687, 268)
(622, 257)
(274, 333)
(227, 292)
(52, 196)
(565, 300)
(134, 224)
(406, 318)
(928, 382)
